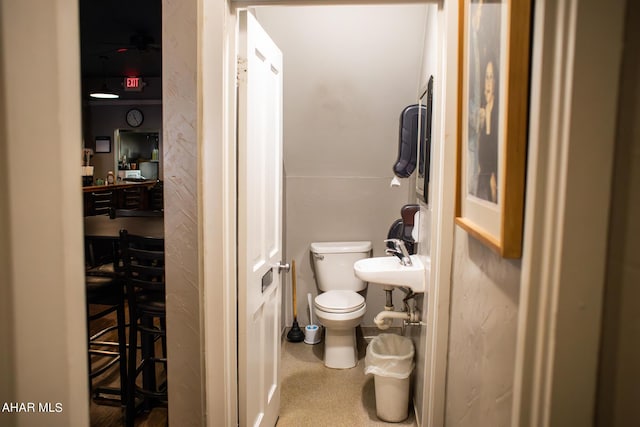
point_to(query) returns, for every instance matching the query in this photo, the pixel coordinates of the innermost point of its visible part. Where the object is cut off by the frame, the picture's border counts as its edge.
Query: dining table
(104, 227)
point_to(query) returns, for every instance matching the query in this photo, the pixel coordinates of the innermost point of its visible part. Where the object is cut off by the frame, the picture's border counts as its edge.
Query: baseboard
(366, 332)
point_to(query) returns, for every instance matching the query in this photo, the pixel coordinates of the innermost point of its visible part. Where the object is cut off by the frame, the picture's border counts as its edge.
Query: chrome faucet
(399, 250)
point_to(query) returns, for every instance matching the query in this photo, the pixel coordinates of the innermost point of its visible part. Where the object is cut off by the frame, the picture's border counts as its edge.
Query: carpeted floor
(311, 394)
(315, 396)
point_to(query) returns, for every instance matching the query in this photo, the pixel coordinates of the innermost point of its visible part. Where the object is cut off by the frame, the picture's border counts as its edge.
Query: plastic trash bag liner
(389, 355)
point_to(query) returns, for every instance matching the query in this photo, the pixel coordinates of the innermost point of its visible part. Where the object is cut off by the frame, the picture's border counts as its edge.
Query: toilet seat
(339, 301)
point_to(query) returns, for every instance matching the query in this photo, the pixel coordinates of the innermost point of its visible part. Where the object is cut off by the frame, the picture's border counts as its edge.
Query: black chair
(143, 261)
(100, 255)
(104, 296)
(101, 202)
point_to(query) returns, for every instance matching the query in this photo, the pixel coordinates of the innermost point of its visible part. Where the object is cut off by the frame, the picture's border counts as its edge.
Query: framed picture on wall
(492, 121)
(103, 144)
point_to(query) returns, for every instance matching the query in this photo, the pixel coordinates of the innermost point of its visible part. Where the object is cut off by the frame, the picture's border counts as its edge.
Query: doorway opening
(121, 53)
(348, 71)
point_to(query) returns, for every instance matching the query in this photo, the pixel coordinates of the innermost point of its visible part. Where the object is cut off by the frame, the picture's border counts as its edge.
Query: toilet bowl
(339, 307)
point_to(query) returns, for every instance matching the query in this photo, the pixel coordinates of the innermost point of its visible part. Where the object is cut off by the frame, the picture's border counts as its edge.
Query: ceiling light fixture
(104, 92)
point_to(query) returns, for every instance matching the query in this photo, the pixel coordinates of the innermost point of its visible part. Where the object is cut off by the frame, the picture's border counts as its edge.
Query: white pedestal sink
(388, 271)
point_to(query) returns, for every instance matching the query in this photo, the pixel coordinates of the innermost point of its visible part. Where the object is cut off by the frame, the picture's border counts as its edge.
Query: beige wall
(482, 343)
(43, 314)
(103, 118)
(182, 218)
(619, 380)
(348, 73)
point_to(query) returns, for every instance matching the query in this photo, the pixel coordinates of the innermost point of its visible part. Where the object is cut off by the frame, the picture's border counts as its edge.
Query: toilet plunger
(295, 334)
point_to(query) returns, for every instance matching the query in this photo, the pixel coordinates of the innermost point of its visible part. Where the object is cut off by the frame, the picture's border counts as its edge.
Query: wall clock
(134, 117)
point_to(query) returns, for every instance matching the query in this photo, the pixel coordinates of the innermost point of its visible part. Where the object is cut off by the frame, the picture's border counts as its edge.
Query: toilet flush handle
(283, 267)
(318, 256)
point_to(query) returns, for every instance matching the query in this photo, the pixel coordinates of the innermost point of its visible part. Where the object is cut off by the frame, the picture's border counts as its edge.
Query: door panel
(259, 223)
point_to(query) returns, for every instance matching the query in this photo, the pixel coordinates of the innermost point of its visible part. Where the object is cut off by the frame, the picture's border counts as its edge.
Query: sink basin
(388, 271)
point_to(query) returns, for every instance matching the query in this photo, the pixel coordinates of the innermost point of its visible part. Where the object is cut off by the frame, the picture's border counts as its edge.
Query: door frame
(435, 374)
(563, 267)
(438, 303)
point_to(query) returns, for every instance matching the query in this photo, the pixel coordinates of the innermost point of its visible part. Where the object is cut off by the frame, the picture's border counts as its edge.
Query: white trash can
(390, 358)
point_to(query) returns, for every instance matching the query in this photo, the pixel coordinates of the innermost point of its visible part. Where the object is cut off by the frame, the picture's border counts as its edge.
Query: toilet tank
(333, 263)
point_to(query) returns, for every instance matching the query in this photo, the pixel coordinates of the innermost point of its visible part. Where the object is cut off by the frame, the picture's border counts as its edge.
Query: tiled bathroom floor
(315, 396)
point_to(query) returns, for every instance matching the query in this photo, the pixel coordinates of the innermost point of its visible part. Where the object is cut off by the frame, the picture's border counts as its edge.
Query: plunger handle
(293, 286)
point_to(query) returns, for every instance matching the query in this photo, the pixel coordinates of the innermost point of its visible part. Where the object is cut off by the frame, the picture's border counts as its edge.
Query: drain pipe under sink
(388, 307)
(384, 319)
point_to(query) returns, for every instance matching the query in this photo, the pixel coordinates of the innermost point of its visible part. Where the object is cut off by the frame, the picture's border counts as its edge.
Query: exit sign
(133, 84)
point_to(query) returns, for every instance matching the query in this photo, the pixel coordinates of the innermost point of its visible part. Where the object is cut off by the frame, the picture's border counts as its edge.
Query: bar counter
(145, 195)
(129, 184)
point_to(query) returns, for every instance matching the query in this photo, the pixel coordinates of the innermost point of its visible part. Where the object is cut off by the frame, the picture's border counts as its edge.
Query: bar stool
(143, 261)
(105, 295)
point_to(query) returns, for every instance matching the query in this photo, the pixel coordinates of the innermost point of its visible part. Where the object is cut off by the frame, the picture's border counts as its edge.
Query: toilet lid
(339, 301)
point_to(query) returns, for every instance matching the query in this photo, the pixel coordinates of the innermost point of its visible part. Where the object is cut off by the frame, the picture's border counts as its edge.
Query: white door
(259, 224)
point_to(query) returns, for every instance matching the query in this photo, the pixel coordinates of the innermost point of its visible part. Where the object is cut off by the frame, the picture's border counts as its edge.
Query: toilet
(339, 307)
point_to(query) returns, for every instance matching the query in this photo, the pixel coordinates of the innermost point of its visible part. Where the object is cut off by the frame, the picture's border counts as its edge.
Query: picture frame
(493, 81)
(103, 144)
